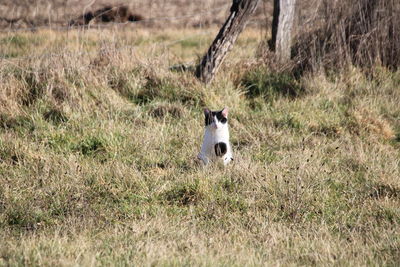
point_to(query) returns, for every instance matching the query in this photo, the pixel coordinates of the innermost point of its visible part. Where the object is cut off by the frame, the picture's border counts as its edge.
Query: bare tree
(241, 10)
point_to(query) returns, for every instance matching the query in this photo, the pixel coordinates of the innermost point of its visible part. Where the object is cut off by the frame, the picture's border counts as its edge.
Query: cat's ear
(206, 112)
(225, 112)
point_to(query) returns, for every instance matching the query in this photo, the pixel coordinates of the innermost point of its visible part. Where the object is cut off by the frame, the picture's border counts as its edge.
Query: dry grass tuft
(374, 124)
(163, 110)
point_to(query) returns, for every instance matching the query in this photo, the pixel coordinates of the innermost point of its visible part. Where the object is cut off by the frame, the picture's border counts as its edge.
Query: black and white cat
(216, 144)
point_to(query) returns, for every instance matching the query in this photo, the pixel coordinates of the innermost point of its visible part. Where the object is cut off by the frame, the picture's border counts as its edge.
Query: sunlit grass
(98, 140)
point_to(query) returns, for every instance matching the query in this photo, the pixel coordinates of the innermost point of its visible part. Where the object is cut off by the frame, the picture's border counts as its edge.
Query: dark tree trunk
(275, 22)
(241, 10)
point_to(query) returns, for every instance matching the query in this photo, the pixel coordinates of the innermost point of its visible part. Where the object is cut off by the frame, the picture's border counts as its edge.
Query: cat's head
(216, 119)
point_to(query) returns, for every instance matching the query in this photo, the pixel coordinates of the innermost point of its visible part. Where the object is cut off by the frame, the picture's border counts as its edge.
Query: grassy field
(98, 140)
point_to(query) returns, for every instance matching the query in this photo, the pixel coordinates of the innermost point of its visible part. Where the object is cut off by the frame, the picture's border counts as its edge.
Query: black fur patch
(209, 117)
(220, 149)
(221, 117)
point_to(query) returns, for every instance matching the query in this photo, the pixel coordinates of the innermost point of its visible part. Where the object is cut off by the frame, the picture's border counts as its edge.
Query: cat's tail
(220, 149)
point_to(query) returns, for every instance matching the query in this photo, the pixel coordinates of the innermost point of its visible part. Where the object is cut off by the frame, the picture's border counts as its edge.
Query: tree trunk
(241, 10)
(282, 27)
(275, 23)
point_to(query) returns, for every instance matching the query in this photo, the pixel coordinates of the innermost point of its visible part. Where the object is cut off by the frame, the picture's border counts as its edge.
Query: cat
(216, 146)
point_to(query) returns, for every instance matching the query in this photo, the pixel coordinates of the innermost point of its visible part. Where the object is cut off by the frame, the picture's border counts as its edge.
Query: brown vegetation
(22, 14)
(360, 32)
(107, 14)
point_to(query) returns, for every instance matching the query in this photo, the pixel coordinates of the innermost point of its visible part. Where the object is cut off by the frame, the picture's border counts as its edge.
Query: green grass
(97, 161)
(18, 45)
(261, 82)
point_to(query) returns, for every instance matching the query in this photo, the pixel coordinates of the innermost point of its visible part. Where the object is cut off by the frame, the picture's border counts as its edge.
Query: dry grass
(97, 141)
(157, 13)
(359, 32)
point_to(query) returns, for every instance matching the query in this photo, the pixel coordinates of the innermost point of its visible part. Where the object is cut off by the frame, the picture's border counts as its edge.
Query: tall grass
(357, 32)
(97, 158)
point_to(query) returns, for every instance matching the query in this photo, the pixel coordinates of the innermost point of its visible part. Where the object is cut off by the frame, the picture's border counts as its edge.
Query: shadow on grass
(271, 85)
(183, 194)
